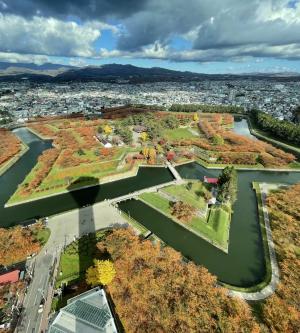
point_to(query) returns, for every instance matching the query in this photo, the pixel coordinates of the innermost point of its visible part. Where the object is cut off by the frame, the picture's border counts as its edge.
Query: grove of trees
(227, 185)
(206, 108)
(280, 129)
(154, 290)
(219, 139)
(46, 161)
(281, 311)
(10, 145)
(16, 244)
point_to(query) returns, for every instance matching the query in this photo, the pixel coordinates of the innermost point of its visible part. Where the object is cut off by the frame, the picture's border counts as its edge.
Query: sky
(205, 36)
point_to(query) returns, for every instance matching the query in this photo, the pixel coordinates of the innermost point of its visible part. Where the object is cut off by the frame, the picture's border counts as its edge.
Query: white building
(86, 313)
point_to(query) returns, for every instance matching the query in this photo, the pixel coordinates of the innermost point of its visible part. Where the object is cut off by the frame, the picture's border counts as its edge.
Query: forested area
(154, 290)
(16, 244)
(155, 123)
(206, 108)
(45, 163)
(10, 145)
(228, 147)
(281, 312)
(281, 129)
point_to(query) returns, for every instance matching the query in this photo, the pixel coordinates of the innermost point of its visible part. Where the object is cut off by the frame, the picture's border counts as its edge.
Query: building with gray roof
(88, 312)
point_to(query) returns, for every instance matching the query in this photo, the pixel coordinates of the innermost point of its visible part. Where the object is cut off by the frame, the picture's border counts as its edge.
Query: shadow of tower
(86, 223)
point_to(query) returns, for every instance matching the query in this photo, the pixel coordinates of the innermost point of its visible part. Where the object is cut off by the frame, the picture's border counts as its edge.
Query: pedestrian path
(137, 193)
(174, 172)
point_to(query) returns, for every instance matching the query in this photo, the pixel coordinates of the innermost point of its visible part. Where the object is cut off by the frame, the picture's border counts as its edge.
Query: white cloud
(218, 30)
(49, 36)
(23, 58)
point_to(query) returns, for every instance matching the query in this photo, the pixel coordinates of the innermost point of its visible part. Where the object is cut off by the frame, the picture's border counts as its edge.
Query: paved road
(64, 229)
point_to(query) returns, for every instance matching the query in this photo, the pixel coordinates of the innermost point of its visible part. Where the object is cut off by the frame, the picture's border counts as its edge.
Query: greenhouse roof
(88, 312)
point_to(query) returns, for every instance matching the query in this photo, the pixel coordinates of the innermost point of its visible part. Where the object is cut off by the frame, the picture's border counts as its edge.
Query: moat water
(244, 265)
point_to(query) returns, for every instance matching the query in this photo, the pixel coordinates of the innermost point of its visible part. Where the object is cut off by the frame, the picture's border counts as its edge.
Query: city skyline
(201, 36)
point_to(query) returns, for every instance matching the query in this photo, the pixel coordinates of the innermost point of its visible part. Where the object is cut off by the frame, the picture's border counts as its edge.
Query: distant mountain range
(118, 73)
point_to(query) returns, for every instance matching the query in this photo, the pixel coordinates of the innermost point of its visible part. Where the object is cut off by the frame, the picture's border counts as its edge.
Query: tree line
(206, 108)
(281, 311)
(281, 129)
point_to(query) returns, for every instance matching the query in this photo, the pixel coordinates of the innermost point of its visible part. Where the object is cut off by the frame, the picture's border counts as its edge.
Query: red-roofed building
(210, 180)
(10, 277)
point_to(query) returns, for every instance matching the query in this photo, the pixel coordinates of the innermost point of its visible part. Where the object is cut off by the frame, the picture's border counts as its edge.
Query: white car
(5, 326)
(41, 306)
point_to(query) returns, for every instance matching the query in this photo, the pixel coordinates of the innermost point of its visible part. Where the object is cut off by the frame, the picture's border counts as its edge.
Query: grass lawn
(157, 201)
(295, 165)
(219, 221)
(78, 256)
(178, 134)
(42, 235)
(194, 194)
(215, 229)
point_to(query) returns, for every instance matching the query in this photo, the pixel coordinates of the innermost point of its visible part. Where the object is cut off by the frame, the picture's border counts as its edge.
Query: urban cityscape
(25, 100)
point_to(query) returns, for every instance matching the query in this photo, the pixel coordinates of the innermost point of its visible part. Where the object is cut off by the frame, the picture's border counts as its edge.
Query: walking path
(174, 172)
(270, 288)
(137, 193)
(193, 131)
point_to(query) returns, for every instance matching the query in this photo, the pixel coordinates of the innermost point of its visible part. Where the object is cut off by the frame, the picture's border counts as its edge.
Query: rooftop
(210, 180)
(88, 313)
(10, 277)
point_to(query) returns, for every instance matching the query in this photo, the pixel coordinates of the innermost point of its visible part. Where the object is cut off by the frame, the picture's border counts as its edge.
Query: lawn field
(78, 257)
(42, 235)
(214, 227)
(193, 193)
(179, 134)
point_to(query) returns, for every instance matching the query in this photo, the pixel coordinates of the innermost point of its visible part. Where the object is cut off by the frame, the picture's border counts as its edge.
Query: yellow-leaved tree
(107, 129)
(196, 117)
(152, 155)
(145, 151)
(102, 272)
(144, 136)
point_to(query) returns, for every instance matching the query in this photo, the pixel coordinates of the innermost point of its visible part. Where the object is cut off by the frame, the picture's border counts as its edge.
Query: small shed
(10, 277)
(210, 180)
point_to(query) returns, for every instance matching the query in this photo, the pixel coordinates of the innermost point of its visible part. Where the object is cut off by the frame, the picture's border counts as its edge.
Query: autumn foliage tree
(232, 148)
(102, 273)
(144, 136)
(183, 211)
(16, 244)
(281, 312)
(10, 145)
(152, 156)
(155, 291)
